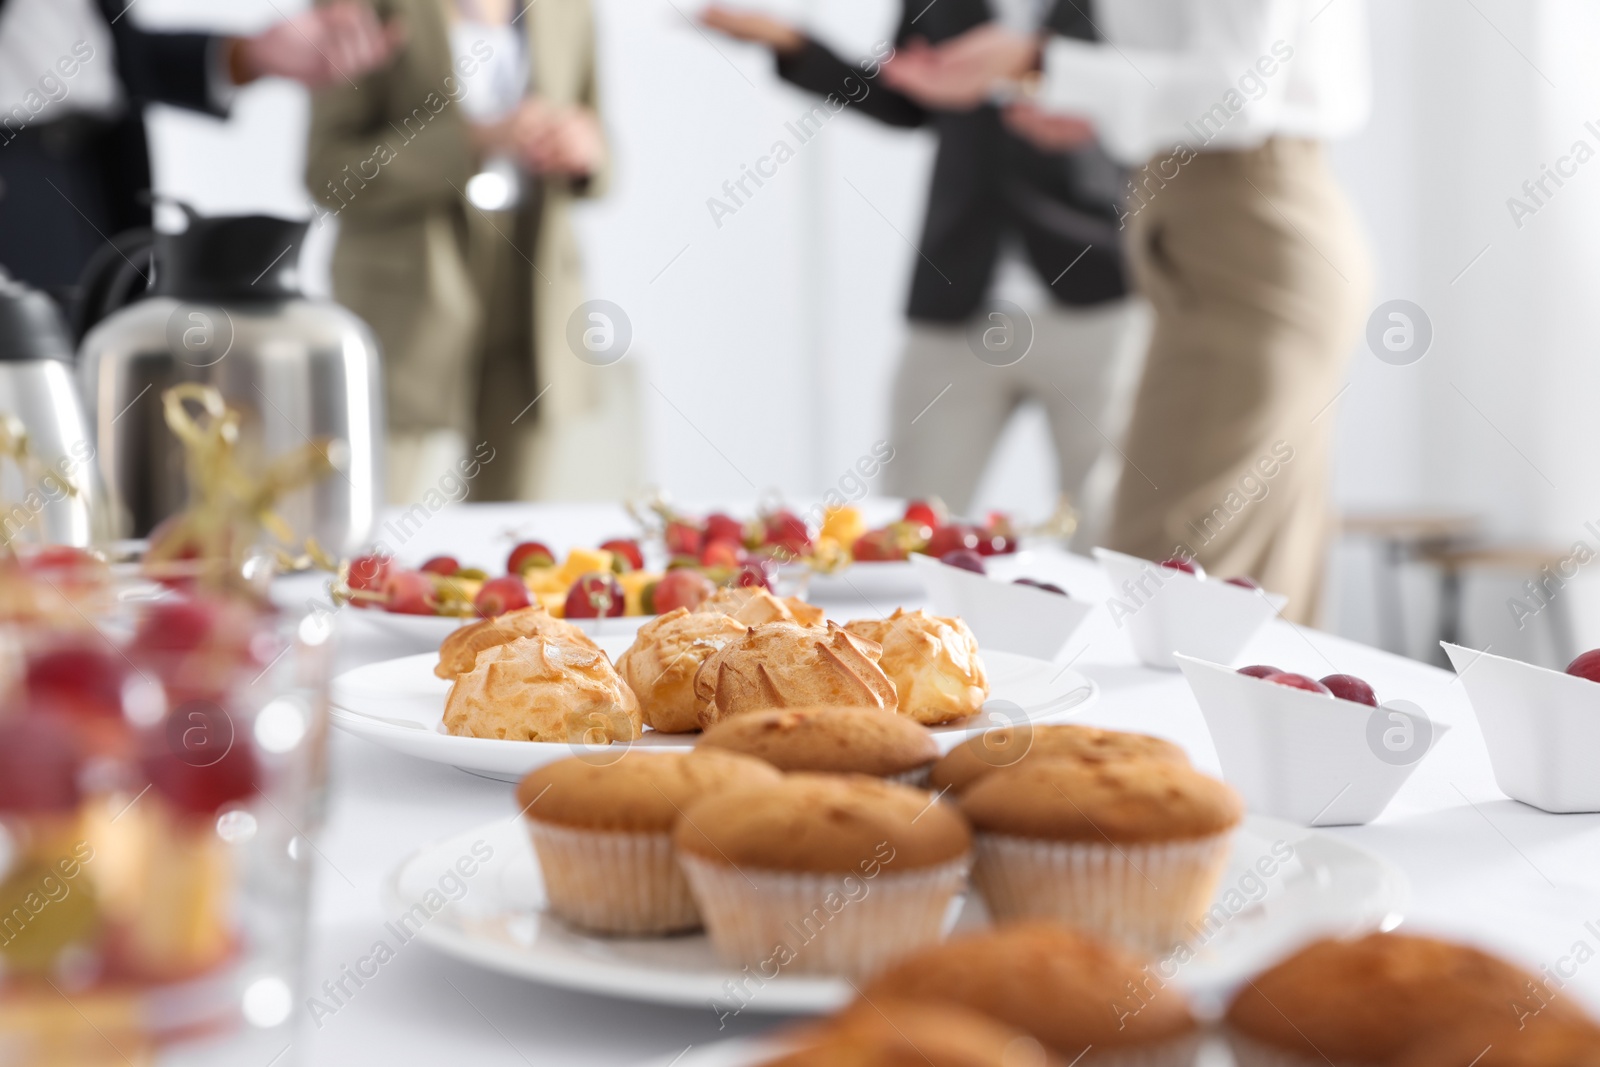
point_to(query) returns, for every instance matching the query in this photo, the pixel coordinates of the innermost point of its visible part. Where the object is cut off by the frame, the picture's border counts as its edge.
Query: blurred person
(451, 173)
(75, 76)
(1240, 236)
(1005, 221)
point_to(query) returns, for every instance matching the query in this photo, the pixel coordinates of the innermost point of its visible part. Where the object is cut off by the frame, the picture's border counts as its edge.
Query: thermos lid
(31, 327)
(231, 258)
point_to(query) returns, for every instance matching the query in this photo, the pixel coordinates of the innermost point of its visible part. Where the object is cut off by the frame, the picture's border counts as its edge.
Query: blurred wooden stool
(1403, 537)
(1527, 561)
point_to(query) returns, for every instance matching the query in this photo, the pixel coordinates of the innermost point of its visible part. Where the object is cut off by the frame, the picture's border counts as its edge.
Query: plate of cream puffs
(505, 695)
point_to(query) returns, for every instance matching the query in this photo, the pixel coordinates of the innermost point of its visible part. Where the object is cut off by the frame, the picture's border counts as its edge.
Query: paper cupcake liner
(1248, 1052)
(840, 924)
(1146, 896)
(610, 882)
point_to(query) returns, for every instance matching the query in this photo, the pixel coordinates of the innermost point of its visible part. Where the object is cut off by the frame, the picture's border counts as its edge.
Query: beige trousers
(1258, 274)
(950, 407)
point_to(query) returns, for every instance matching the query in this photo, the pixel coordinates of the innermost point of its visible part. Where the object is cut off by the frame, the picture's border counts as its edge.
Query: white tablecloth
(1482, 867)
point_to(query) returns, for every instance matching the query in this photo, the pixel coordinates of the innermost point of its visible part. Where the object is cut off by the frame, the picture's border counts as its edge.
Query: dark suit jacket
(68, 182)
(987, 182)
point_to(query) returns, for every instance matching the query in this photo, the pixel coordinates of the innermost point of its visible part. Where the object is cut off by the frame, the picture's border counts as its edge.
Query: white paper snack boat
(1307, 757)
(1167, 612)
(1002, 615)
(1542, 728)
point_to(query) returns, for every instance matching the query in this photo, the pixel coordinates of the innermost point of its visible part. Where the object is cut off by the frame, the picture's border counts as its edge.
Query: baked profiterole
(1063, 987)
(533, 689)
(831, 740)
(1009, 746)
(900, 1033)
(661, 663)
(933, 662)
(754, 606)
(1378, 998)
(459, 651)
(784, 665)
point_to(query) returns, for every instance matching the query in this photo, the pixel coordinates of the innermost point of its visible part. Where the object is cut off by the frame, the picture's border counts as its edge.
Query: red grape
(409, 593)
(1349, 687)
(681, 588)
(952, 538)
(723, 554)
(757, 573)
(368, 573)
(1586, 666)
(1244, 582)
(1260, 670)
(877, 546)
(1188, 566)
(500, 595)
(445, 565)
(965, 558)
(38, 765)
(595, 596)
(922, 513)
(1299, 681)
(682, 539)
(626, 549)
(201, 790)
(721, 527)
(529, 554)
(77, 679)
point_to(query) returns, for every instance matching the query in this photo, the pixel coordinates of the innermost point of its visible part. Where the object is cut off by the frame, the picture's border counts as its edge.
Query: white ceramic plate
(399, 703)
(1319, 886)
(414, 632)
(895, 580)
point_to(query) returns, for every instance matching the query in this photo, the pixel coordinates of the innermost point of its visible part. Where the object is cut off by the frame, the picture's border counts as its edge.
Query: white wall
(770, 340)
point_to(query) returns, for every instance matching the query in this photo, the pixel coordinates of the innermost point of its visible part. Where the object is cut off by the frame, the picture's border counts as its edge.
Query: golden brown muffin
(783, 665)
(899, 1033)
(1377, 998)
(533, 689)
(1537, 1042)
(831, 740)
(1065, 988)
(646, 792)
(1136, 800)
(661, 663)
(754, 606)
(824, 822)
(1008, 746)
(458, 653)
(933, 662)
(822, 874)
(602, 832)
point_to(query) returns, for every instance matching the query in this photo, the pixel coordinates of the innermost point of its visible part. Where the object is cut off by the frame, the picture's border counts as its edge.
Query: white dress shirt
(1214, 74)
(55, 57)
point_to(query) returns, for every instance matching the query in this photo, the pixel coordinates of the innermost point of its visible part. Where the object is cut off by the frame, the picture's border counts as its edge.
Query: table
(1482, 867)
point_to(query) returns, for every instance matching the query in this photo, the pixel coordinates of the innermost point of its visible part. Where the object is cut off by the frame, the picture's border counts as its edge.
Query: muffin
(1007, 746)
(603, 834)
(458, 653)
(1064, 988)
(898, 1033)
(754, 606)
(1539, 1042)
(1132, 851)
(831, 740)
(661, 663)
(784, 665)
(1377, 999)
(933, 662)
(822, 874)
(533, 689)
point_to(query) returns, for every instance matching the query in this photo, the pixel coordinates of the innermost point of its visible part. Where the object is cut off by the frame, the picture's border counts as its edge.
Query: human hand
(959, 74)
(1049, 131)
(561, 141)
(319, 47)
(753, 27)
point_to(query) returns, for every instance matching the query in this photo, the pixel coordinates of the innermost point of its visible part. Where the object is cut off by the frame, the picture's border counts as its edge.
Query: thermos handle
(122, 271)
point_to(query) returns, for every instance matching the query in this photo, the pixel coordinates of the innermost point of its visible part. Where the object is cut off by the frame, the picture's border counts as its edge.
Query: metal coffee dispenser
(220, 304)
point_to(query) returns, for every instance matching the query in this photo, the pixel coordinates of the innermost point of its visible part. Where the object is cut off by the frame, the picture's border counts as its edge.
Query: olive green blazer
(389, 157)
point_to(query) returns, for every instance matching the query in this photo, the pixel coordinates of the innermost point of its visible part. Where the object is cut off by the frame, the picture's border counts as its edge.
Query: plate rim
(800, 994)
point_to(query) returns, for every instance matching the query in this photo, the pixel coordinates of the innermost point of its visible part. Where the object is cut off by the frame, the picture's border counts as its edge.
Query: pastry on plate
(822, 873)
(603, 834)
(1130, 851)
(661, 663)
(1008, 746)
(1067, 989)
(533, 689)
(934, 663)
(1381, 998)
(754, 606)
(459, 651)
(831, 740)
(785, 665)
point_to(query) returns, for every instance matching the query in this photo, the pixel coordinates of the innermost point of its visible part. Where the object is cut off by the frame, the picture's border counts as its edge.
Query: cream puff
(459, 652)
(784, 665)
(934, 662)
(661, 663)
(754, 606)
(535, 689)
